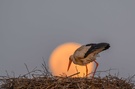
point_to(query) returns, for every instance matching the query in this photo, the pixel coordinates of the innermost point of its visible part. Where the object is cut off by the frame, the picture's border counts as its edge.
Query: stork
(86, 54)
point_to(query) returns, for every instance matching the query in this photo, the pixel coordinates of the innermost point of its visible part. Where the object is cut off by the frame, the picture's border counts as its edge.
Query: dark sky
(31, 29)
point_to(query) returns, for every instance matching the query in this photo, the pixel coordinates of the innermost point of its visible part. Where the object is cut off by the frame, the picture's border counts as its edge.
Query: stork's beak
(70, 61)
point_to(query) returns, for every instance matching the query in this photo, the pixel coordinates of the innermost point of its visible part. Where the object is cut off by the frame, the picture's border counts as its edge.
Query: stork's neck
(72, 58)
(76, 61)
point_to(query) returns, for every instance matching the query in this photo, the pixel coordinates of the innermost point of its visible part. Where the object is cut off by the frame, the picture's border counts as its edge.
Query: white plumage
(86, 54)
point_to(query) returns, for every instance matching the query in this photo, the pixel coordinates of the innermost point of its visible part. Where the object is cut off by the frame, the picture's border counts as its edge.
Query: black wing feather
(90, 50)
(95, 47)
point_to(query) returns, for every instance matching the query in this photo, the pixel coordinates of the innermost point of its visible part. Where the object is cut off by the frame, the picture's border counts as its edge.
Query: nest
(55, 82)
(47, 81)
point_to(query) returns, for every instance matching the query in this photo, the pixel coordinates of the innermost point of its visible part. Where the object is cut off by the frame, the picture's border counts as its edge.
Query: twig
(103, 71)
(45, 67)
(130, 78)
(106, 70)
(13, 74)
(78, 86)
(7, 74)
(31, 72)
(74, 74)
(27, 70)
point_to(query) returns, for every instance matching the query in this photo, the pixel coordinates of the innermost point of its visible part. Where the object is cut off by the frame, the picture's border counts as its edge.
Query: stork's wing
(96, 48)
(80, 52)
(90, 50)
(91, 44)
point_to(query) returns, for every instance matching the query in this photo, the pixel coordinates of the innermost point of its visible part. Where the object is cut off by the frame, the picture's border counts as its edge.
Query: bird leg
(95, 69)
(86, 71)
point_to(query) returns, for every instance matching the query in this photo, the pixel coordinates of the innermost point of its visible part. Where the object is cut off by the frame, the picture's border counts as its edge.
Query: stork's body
(86, 54)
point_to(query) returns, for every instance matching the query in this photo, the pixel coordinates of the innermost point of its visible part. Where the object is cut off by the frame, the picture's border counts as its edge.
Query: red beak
(69, 64)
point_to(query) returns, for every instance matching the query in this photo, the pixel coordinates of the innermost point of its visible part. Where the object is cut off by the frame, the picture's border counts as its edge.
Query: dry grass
(45, 80)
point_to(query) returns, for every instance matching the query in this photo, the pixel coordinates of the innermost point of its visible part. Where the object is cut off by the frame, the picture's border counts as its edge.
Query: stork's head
(70, 61)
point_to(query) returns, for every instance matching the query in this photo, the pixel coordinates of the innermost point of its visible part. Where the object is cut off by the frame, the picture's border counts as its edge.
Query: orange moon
(59, 60)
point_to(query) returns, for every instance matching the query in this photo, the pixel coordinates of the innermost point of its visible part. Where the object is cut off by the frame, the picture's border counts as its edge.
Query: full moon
(59, 60)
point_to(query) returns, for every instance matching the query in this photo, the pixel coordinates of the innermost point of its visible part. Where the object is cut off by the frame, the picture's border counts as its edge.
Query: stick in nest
(74, 74)
(27, 69)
